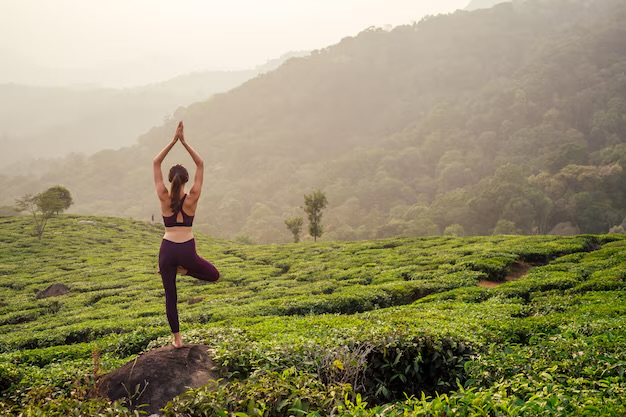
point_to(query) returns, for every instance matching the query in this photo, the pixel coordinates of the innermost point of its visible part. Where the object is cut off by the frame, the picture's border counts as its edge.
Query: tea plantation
(418, 326)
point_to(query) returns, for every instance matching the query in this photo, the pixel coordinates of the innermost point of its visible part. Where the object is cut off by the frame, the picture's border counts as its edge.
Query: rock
(53, 291)
(86, 222)
(156, 377)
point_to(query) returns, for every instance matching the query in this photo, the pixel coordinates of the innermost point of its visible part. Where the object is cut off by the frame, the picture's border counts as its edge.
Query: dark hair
(178, 176)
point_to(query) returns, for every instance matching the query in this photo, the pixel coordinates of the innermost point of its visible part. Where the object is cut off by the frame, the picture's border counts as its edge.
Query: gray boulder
(53, 290)
(156, 377)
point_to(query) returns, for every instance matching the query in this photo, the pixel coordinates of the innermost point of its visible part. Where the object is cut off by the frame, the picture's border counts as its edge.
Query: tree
(44, 205)
(505, 227)
(57, 199)
(313, 206)
(454, 230)
(294, 224)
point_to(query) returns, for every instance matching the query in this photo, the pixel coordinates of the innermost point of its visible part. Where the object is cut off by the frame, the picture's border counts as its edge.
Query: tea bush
(402, 322)
(285, 393)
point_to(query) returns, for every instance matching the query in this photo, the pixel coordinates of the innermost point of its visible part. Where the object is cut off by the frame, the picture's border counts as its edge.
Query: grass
(390, 318)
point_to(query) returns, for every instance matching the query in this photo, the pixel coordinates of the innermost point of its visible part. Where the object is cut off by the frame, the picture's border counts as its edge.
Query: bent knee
(212, 274)
(205, 276)
(212, 277)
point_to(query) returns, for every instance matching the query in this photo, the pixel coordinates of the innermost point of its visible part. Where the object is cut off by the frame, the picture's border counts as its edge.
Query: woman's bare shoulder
(166, 210)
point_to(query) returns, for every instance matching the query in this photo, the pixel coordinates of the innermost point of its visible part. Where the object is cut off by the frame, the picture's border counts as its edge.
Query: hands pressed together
(180, 133)
(179, 136)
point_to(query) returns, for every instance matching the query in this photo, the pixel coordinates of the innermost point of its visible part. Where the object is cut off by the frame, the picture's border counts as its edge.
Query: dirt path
(518, 270)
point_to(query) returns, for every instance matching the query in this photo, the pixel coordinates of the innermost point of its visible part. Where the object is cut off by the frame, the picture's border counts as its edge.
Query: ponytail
(178, 176)
(175, 192)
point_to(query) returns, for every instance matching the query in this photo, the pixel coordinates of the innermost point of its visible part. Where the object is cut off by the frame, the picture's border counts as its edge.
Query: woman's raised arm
(196, 189)
(161, 189)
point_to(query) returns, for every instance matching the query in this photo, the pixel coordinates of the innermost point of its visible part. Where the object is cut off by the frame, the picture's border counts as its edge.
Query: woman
(178, 247)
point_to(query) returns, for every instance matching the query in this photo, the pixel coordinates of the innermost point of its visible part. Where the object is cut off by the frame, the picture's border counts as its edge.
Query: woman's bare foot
(178, 341)
(181, 270)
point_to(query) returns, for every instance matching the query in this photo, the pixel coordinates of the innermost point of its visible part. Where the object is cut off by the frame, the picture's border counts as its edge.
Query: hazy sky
(126, 42)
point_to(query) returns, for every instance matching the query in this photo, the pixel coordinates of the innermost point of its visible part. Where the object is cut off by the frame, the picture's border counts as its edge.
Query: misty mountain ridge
(114, 74)
(200, 85)
(51, 122)
(484, 4)
(498, 121)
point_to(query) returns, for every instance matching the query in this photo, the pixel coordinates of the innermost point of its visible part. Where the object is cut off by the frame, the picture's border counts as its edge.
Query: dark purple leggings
(171, 256)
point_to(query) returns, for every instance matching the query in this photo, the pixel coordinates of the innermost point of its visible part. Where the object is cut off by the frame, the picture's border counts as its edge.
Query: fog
(120, 43)
(446, 128)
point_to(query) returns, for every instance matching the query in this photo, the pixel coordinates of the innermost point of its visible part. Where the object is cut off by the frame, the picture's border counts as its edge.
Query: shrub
(286, 393)
(496, 266)
(401, 364)
(64, 406)
(44, 356)
(134, 342)
(9, 376)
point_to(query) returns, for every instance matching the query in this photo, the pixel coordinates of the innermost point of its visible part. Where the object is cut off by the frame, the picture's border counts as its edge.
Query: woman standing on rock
(178, 247)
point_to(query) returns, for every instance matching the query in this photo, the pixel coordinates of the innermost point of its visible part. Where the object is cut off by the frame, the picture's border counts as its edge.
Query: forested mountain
(38, 122)
(505, 120)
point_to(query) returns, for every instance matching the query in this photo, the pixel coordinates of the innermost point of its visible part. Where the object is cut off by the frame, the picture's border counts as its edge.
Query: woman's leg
(196, 266)
(167, 267)
(168, 276)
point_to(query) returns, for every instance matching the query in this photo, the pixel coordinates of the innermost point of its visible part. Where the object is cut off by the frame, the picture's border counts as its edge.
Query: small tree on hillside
(44, 205)
(294, 224)
(313, 206)
(454, 230)
(57, 198)
(505, 227)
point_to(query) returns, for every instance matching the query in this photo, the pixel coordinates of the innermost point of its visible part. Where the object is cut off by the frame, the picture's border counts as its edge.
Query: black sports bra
(170, 221)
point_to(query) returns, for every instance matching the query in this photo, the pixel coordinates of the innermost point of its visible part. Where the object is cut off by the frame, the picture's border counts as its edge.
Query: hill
(483, 4)
(390, 316)
(505, 120)
(52, 122)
